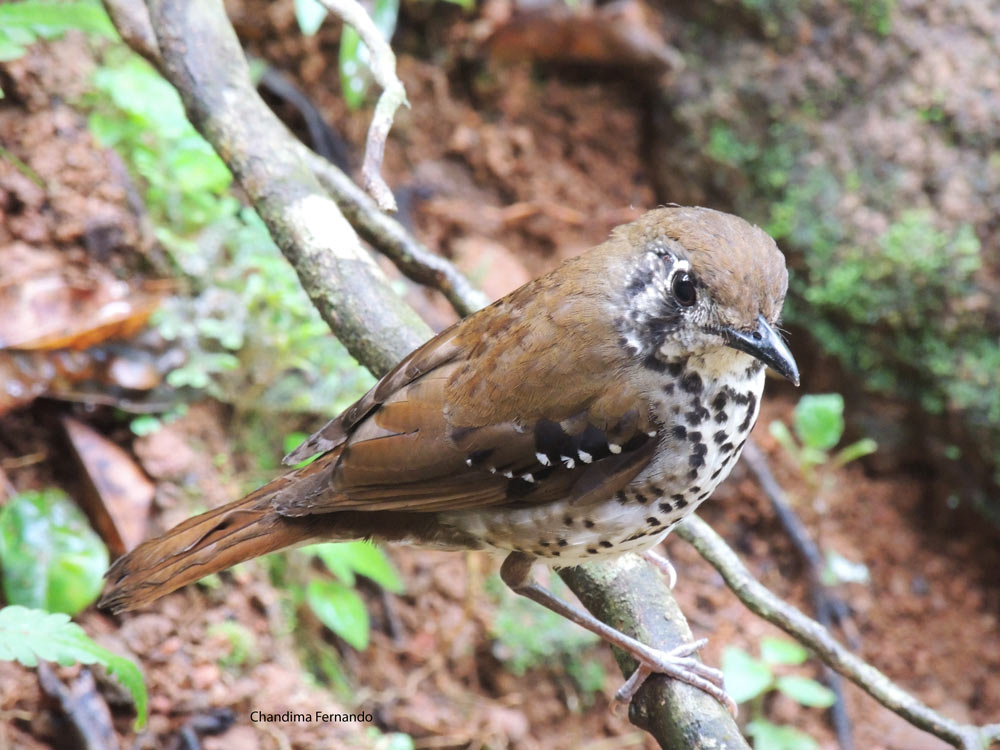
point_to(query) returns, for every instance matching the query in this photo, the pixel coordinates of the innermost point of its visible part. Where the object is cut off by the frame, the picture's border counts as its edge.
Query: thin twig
(826, 605)
(779, 612)
(383, 67)
(391, 238)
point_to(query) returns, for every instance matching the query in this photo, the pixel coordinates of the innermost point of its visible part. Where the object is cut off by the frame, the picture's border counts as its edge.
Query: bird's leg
(676, 663)
(663, 565)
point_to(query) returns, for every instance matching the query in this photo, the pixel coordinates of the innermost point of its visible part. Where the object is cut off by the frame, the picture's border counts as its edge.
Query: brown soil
(566, 152)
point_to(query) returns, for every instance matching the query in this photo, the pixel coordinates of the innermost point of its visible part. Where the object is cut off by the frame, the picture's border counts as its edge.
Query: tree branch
(775, 610)
(202, 58)
(383, 67)
(392, 239)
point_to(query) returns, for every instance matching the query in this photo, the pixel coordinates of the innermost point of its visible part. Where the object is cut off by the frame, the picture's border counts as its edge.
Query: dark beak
(765, 344)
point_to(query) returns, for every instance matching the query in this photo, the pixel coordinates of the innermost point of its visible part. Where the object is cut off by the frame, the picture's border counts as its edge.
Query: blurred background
(157, 357)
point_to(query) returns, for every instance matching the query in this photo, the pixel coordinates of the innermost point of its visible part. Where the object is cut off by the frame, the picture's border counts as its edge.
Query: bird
(580, 417)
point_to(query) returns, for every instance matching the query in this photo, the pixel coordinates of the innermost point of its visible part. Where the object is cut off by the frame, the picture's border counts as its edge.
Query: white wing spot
(543, 459)
(570, 463)
(614, 448)
(468, 462)
(509, 474)
(528, 477)
(585, 457)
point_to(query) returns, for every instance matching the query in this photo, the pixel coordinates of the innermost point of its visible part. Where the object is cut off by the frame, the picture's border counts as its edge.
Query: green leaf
(52, 559)
(354, 58)
(310, 14)
(782, 651)
(341, 609)
(819, 420)
(806, 691)
(49, 20)
(30, 635)
(745, 677)
(768, 736)
(863, 447)
(344, 559)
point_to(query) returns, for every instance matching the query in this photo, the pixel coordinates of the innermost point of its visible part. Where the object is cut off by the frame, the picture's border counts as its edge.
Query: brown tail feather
(215, 540)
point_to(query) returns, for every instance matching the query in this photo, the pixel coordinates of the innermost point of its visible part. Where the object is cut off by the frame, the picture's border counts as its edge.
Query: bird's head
(703, 282)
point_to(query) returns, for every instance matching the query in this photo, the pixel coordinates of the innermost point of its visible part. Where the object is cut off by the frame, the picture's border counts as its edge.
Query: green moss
(892, 308)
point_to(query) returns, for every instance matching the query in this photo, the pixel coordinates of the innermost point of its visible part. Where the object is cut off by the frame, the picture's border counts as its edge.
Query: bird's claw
(678, 664)
(663, 565)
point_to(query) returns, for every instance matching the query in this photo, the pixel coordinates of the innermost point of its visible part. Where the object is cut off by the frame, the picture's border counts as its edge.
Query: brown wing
(520, 403)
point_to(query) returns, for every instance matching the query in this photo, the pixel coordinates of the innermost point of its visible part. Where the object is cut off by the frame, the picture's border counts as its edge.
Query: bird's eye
(683, 288)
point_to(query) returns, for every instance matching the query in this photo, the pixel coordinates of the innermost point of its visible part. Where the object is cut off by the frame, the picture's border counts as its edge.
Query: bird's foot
(663, 565)
(678, 664)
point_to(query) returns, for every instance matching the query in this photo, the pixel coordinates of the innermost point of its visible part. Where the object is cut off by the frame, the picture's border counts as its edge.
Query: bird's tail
(215, 540)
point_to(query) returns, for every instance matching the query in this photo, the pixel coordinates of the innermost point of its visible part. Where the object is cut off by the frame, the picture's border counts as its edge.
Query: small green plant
(750, 680)
(819, 427)
(52, 559)
(29, 635)
(241, 641)
(251, 335)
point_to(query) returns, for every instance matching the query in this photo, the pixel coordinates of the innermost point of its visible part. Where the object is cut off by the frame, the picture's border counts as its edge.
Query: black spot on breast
(621, 497)
(606, 544)
(668, 389)
(666, 507)
(653, 521)
(720, 437)
(703, 495)
(556, 553)
(727, 447)
(562, 542)
(694, 437)
(677, 498)
(694, 490)
(682, 503)
(641, 499)
(720, 401)
(546, 544)
(692, 383)
(698, 413)
(680, 432)
(676, 368)
(721, 416)
(568, 520)
(700, 450)
(591, 551)
(717, 472)
(740, 398)
(696, 460)
(751, 405)
(588, 523)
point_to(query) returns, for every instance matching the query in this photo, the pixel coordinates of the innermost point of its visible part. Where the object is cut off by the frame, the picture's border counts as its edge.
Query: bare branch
(392, 239)
(202, 58)
(383, 67)
(779, 612)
